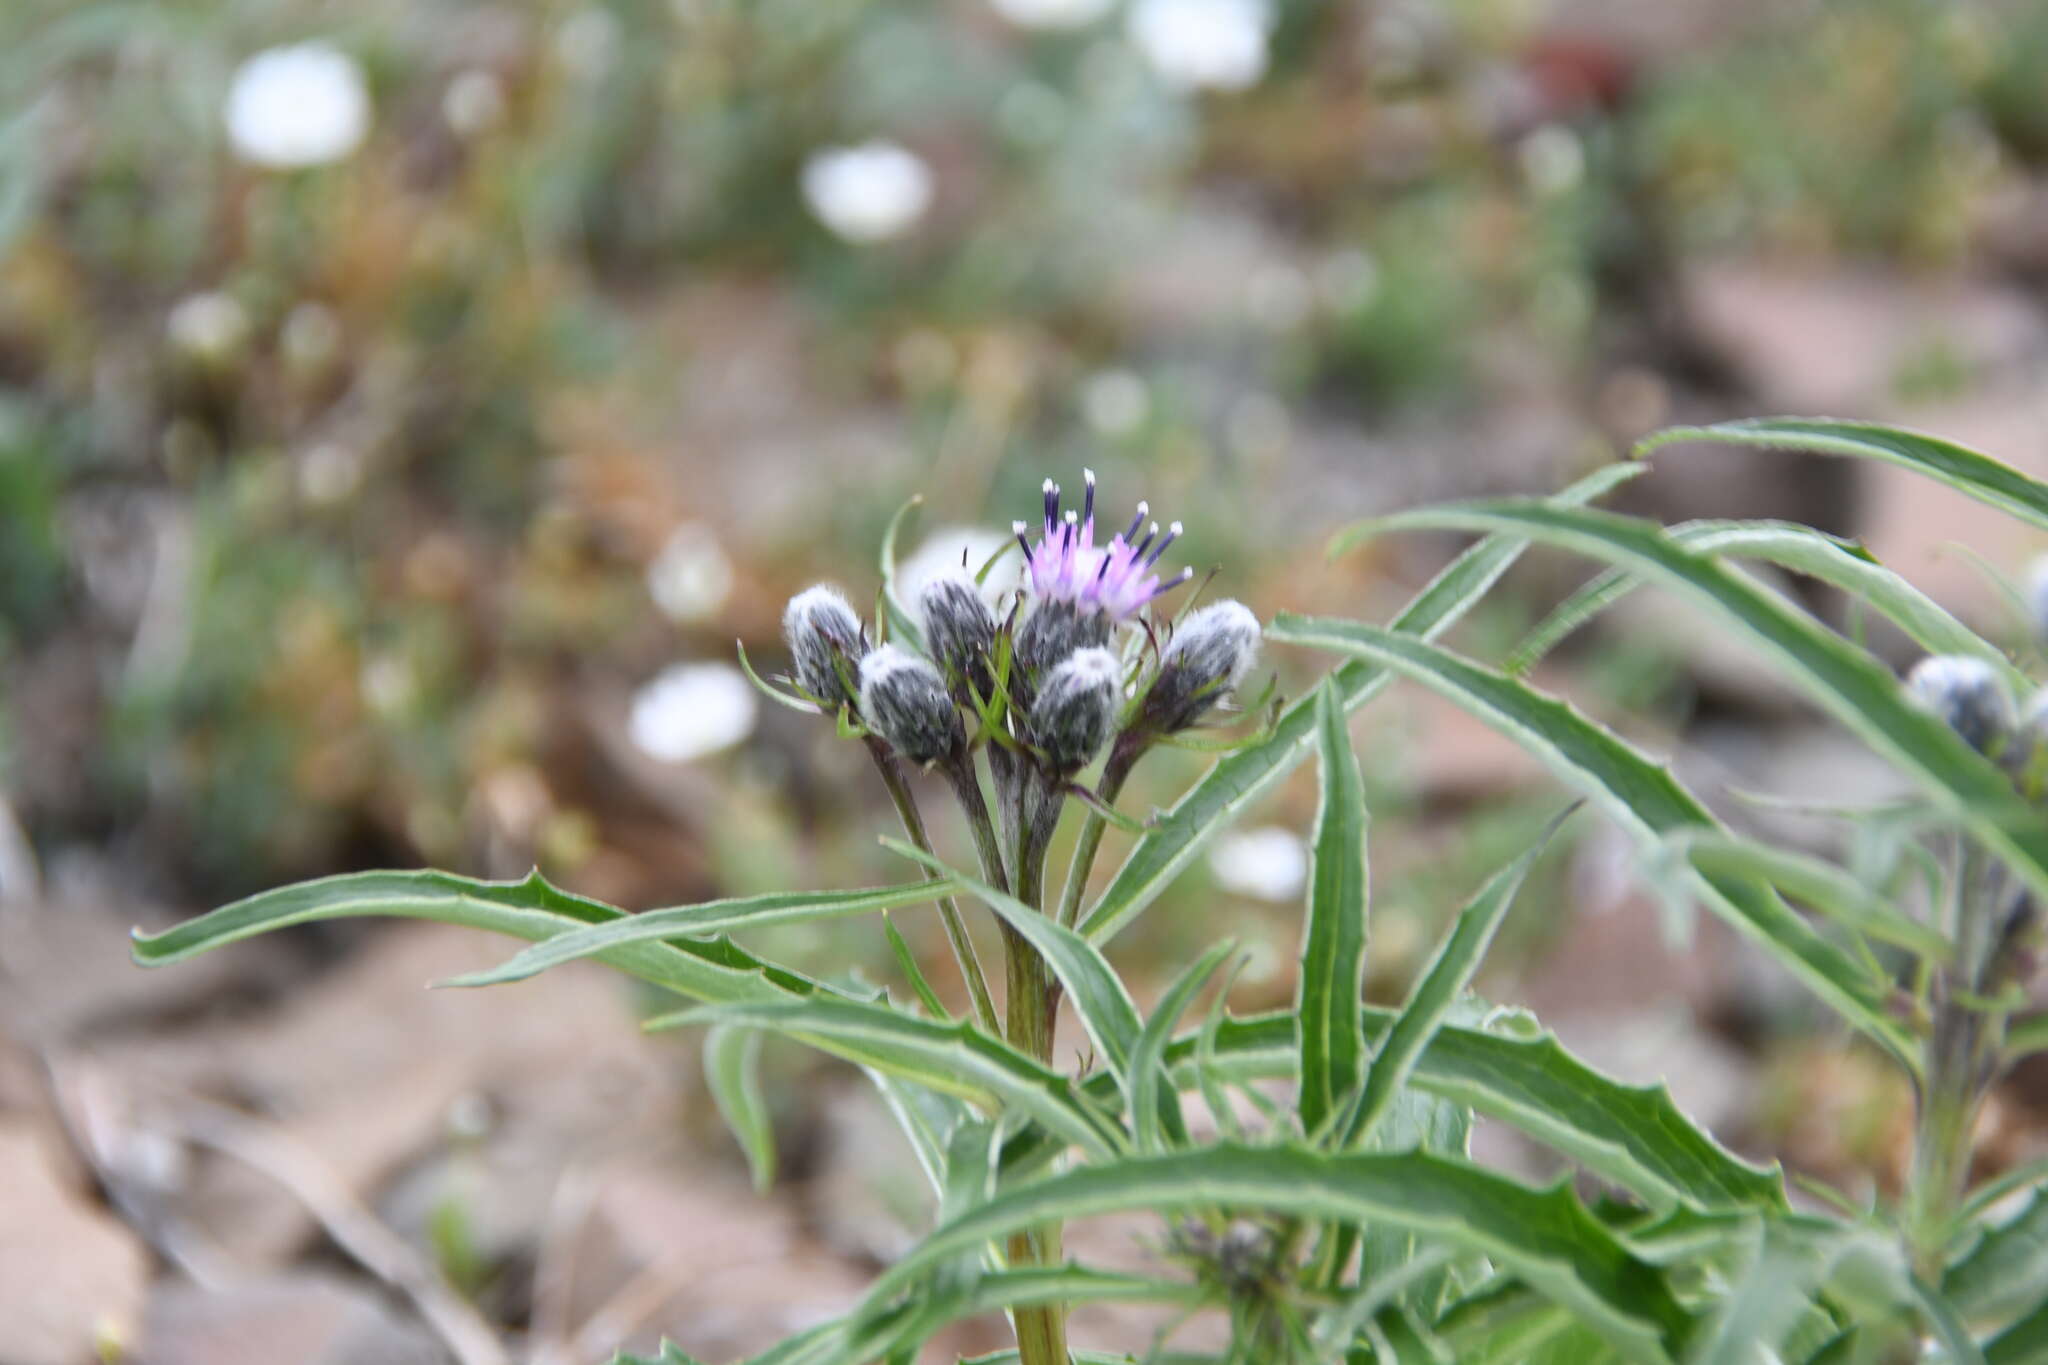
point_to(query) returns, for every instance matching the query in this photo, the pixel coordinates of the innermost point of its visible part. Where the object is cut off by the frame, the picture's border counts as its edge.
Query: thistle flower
(1116, 579)
(1212, 652)
(826, 643)
(1968, 694)
(1076, 708)
(904, 700)
(959, 629)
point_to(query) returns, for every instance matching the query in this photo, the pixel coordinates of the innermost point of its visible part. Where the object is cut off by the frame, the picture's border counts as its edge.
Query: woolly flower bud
(959, 629)
(1076, 707)
(903, 699)
(1212, 652)
(823, 632)
(1051, 634)
(1968, 694)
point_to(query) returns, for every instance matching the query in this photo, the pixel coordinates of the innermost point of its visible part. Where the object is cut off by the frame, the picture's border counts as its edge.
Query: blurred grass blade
(732, 1072)
(1154, 1123)
(1545, 1237)
(1816, 883)
(1789, 546)
(1240, 778)
(1438, 990)
(1851, 685)
(1961, 468)
(1332, 975)
(902, 621)
(699, 921)
(531, 909)
(953, 1059)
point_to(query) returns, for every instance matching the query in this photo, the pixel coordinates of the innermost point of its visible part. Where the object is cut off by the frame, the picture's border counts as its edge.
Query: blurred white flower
(1268, 863)
(1115, 402)
(1051, 13)
(209, 327)
(303, 105)
(867, 193)
(690, 577)
(1553, 161)
(474, 103)
(1203, 44)
(942, 551)
(692, 710)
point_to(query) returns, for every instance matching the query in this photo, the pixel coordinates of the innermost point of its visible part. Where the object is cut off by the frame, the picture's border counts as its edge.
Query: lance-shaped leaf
(1828, 889)
(1436, 992)
(1802, 549)
(954, 1059)
(1640, 794)
(531, 909)
(1961, 468)
(1155, 1117)
(732, 1071)
(1332, 974)
(2006, 1272)
(1543, 1237)
(698, 921)
(1239, 779)
(1855, 688)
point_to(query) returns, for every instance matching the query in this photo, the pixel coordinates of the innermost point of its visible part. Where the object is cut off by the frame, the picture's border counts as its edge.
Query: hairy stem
(1122, 758)
(1964, 1040)
(949, 912)
(1029, 1007)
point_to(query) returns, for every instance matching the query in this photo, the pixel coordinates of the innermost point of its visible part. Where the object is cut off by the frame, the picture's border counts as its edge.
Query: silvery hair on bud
(1076, 708)
(903, 699)
(821, 629)
(1967, 693)
(958, 629)
(1213, 650)
(1054, 630)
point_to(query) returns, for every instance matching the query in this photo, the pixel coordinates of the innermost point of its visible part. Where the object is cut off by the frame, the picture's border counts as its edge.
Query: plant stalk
(1122, 758)
(1030, 1008)
(949, 912)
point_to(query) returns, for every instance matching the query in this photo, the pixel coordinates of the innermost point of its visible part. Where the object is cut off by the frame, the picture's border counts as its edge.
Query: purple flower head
(1067, 566)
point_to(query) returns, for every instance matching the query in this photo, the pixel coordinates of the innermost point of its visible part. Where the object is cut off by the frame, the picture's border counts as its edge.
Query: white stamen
(1089, 476)
(1174, 529)
(1073, 517)
(1143, 508)
(1049, 487)
(1018, 528)
(1153, 529)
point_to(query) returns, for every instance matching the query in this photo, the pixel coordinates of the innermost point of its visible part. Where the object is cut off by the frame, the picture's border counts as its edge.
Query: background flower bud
(904, 700)
(1968, 694)
(823, 633)
(1212, 652)
(1076, 708)
(959, 630)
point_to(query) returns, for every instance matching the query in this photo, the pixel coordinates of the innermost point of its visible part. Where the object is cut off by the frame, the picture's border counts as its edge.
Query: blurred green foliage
(378, 451)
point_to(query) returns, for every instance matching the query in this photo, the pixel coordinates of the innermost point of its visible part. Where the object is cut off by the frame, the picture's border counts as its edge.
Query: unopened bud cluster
(1057, 673)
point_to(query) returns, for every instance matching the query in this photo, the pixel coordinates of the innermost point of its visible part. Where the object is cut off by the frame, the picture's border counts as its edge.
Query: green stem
(1963, 1041)
(1030, 1006)
(1122, 759)
(949, 912)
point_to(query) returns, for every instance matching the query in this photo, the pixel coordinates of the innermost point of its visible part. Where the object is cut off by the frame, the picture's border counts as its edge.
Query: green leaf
(1635, 1136)
(2007, 1271)
(732, 1071)
(671, 1354)
(2023, 1343)
(1098, 993)
(1639, 793)
(1332, 975)
(1784, 1265)
(698, 921)
(1545, 1237)
(1955, 1339)
(1961, 468)
(1791, 546)
(1855, 688)
(1437, 991)
(1819, 884)
(1154, 1122)
(954, 1059)
(901, 622)
(530, 909)
(1239, 779)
